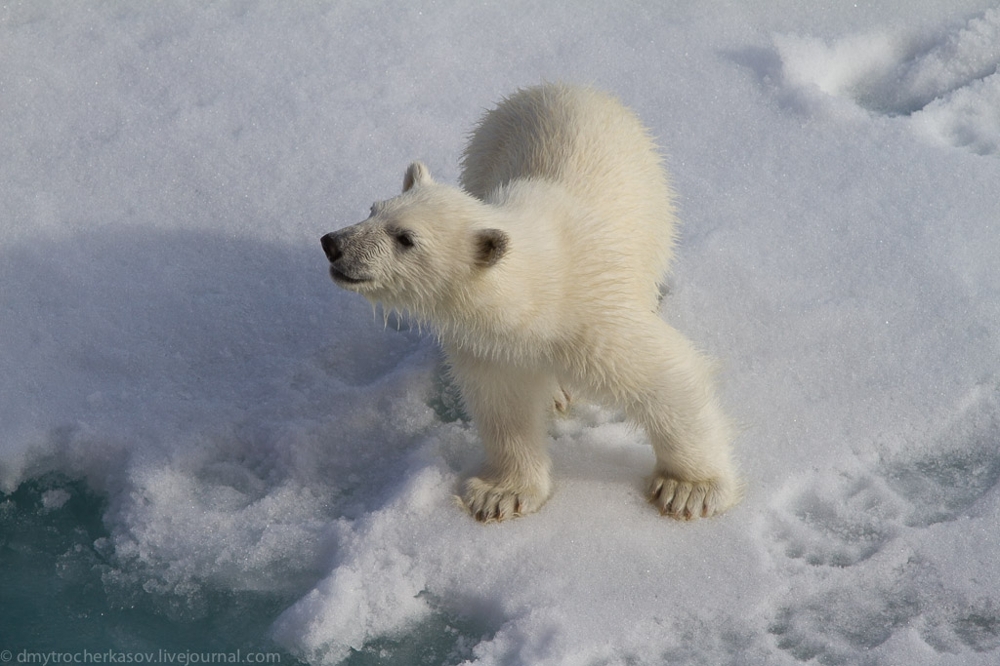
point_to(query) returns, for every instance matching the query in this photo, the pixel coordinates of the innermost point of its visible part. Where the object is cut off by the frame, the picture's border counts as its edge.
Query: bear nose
(331, 247)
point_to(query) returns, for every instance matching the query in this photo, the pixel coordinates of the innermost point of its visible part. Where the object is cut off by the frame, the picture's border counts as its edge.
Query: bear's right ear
(416, 174)
(491, 244)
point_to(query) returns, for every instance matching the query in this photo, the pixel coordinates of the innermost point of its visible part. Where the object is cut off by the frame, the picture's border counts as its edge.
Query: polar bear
(541, 277)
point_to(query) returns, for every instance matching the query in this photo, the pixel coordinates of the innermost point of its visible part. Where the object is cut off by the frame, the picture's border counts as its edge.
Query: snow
(169, 333)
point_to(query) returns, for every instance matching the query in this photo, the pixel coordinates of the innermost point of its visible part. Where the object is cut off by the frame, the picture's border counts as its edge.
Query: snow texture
(169, 333)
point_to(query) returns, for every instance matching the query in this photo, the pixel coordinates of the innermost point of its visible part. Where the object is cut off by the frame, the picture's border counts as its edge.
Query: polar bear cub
(541, 274)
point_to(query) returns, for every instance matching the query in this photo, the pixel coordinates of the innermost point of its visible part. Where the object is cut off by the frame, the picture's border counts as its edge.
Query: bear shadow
(136, 325)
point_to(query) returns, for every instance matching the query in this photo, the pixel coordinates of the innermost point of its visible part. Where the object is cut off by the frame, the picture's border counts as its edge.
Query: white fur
(545, 273)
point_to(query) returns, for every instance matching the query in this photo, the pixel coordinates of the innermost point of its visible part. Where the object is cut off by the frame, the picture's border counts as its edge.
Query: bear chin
(345, 280)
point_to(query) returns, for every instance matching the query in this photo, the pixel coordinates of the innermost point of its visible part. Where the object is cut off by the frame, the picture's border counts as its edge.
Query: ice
(171, 340)
(946, 81)
(54, 499)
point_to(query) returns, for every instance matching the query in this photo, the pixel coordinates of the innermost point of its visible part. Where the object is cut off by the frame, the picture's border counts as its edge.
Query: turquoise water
(58, 594)
(62, 595)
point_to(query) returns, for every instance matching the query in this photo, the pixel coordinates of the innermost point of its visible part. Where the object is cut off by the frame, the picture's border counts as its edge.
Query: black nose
(331, 247)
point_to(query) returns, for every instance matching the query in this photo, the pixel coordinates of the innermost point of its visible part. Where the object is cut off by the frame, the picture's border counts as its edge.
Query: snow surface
(170, 335)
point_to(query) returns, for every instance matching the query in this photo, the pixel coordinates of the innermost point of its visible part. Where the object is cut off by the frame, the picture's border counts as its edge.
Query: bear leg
(665, 386)
(510, 407)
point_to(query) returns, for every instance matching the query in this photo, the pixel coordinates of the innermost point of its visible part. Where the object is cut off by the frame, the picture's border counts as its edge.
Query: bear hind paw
(686, 500)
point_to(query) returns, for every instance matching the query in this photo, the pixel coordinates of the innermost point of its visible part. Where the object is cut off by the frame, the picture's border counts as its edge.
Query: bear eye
(404, 238)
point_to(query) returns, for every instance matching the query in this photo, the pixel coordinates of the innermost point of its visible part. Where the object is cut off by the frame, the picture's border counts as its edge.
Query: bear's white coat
(542, 279)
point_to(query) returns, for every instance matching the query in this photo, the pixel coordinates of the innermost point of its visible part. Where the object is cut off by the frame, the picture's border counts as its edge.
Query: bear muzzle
(331, 246)
(341, 274)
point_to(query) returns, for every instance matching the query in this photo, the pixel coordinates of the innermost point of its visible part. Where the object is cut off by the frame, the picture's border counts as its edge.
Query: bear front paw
(685, 500)
(490, 502)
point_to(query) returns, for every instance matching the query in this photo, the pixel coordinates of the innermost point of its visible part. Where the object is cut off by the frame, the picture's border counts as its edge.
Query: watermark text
(180, 658)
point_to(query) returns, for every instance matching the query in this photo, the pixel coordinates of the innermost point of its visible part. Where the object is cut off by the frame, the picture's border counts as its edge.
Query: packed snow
(170, 335)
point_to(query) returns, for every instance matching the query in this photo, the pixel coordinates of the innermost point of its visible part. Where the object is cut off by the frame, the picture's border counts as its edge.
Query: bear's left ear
(416, 174)
(491, 245)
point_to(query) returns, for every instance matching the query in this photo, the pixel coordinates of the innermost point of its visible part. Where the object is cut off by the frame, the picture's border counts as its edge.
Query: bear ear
(416, 174)
(491, 245)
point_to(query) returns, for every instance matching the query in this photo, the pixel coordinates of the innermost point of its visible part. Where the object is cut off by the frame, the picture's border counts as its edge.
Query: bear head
(419, 250)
